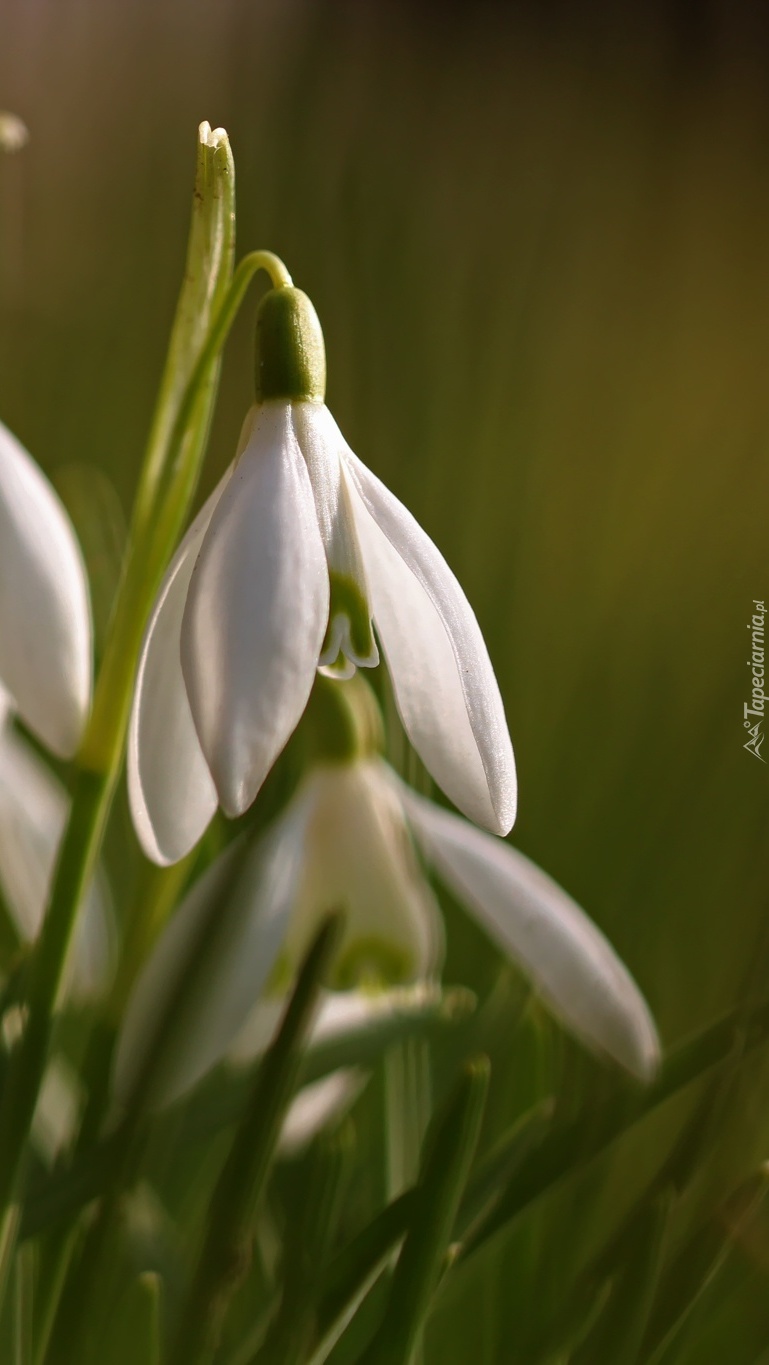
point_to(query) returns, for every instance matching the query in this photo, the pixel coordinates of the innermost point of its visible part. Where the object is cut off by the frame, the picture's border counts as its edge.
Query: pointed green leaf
(698, 1265)
(135, 1339)
(241, 1182)
(619, 1332)
(447, 1155)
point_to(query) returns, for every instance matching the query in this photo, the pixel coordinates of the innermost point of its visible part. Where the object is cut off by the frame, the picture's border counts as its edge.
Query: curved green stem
(155, 531)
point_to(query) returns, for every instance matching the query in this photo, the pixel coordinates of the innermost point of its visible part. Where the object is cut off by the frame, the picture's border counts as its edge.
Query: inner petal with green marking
(358, 857)
(349, 641)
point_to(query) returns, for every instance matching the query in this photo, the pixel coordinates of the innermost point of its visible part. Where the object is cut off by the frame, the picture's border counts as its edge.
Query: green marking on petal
(370, 959)
(348, 601)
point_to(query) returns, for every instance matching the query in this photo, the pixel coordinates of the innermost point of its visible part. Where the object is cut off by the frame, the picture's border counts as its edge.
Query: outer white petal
(359, 857)
(244, 927)
(256, 612)
(317, 1105)
(532, 918)
(444, 684)
(45, 616)
(33, 812)
(171, 792)
(54, 1124)
(353, 1017)
(258, 1030)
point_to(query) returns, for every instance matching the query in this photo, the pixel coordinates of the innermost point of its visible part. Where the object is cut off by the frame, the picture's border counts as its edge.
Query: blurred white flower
(353, 1018)
(298, 553)
(45, 618)
(316, 1106)
(14, 133)
(344, 841)
(33, 813)
(58, 1107)
(342, 1017)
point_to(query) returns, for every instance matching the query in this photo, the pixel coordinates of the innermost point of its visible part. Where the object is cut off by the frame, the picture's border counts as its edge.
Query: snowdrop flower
(296, 560)
(45, 619)
(347, 840)
(342, 841)
(33, 813)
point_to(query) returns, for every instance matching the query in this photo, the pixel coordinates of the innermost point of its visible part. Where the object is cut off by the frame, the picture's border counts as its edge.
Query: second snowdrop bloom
(45, 615)
(346, 841)
(342, 842)
(302, 559)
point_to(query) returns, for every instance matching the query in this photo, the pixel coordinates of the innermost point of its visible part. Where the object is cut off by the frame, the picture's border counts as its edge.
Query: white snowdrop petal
(342, 1014)
(256, 612)
(444, 684)
(258, 1030)
(171, 792)
(6, 706)
(244, 925)
(45, 615)
(54, 1124)
(353, 1018)
(33, 812)
(531, 918)
(319, 440)
(316, 1106)
(91, 965)
(359, 858)
(357, 1017)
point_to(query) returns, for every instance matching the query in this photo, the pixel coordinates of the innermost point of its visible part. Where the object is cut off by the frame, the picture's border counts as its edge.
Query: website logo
(754, 710)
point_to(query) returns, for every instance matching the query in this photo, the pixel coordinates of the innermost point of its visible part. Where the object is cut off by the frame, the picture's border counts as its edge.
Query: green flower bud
(290, 354)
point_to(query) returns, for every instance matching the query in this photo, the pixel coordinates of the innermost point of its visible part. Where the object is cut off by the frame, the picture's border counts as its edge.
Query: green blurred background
(538, 241)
